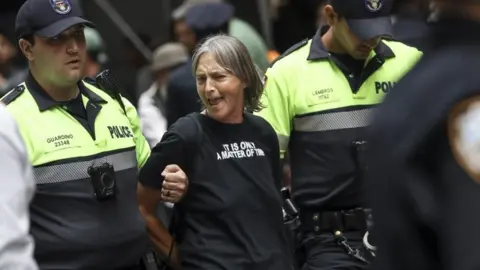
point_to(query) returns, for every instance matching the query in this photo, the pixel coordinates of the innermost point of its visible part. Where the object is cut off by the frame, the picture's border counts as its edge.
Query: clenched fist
(175, 184)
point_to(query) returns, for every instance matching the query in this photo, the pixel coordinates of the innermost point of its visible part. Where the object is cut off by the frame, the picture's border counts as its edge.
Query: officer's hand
(175, 184)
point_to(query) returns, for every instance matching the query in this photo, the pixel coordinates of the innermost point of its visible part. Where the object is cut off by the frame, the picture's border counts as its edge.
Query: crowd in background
(164, 88)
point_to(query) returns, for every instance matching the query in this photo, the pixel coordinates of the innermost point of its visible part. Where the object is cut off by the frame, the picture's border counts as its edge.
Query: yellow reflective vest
(72, 230)
(318, 111)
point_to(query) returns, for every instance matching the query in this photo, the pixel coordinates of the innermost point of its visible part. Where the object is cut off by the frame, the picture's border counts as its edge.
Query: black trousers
(322, 252)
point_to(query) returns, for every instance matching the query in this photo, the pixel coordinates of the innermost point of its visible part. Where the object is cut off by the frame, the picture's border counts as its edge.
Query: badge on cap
(373, 5)
(61, 6)
(464, 136)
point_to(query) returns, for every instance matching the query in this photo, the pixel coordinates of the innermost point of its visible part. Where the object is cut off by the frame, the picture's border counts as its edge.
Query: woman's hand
(175, 184)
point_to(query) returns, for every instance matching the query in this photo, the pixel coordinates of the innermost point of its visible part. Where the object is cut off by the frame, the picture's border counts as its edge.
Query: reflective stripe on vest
(333, 120)
(79, 170)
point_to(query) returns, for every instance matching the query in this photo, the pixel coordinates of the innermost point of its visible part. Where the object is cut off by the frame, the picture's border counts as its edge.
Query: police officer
(85, 149)
(426, 156)
(318, 98)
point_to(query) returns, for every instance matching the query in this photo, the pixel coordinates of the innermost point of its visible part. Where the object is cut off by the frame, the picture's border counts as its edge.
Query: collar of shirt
(45, 101)
(318, 50)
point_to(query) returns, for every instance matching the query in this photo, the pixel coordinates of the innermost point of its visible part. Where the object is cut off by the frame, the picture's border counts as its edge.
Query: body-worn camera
(103, 181)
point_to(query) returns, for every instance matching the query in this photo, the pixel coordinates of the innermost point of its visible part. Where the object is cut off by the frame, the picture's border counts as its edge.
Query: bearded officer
(85, 146)
(425, 185)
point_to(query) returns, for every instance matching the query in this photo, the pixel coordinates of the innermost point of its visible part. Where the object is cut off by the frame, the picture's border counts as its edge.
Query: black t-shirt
(231, 216)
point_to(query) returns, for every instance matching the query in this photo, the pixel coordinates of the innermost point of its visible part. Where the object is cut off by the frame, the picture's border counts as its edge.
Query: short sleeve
(141, 145)
(176, 147)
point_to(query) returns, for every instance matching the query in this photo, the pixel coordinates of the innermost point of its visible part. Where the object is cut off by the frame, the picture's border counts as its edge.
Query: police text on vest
(119, 132)
(384, 87)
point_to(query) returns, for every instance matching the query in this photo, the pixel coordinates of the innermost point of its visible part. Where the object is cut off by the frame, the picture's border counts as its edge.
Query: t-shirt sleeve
(274, 153)
(174, 148)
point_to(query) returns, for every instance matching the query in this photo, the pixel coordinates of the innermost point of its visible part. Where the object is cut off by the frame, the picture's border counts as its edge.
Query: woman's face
(221, 92)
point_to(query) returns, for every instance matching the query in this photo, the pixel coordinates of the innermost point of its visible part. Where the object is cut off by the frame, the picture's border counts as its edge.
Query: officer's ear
(26, 46)
(330, 16)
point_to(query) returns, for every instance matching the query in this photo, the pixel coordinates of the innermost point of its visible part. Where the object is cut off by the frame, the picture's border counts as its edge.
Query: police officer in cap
(85, 146)
(425, 167)
(319, 97)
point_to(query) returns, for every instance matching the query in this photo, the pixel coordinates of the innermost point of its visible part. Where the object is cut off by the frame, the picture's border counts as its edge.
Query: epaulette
(14, 94)
(290, 50)
(390, 38)
(91, 81)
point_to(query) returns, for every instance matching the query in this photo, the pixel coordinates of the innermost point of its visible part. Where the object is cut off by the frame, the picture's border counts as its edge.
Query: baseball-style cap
(169, 55)
(208, 19)
(182, 10)
(48, 18)
(366, 18)
(207, 16)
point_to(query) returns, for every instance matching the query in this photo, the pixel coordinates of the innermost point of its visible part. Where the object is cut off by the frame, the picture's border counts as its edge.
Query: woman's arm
(148, 199)
(149, 193)
(164, 170)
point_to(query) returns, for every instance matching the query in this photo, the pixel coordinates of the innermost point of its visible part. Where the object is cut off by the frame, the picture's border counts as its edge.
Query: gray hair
(232, 55)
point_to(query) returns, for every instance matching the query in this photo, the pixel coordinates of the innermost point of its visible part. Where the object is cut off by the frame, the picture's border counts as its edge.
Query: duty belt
(331, 221)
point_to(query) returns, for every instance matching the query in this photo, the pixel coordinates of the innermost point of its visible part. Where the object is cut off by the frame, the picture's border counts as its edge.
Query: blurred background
(281, 23)
(147, 44)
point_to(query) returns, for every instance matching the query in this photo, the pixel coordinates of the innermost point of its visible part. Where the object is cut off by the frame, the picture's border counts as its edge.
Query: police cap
(48, 18)
(182, 10)
(366, 18)
(203, 17)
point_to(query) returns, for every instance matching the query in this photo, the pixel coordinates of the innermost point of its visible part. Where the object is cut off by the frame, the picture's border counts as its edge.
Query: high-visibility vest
(317, 114)
(72, 230)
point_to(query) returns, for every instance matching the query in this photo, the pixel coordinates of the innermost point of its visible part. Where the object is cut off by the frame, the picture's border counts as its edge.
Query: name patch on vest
(384, 87)
(60, 140)
(322, 94)
(120, 132)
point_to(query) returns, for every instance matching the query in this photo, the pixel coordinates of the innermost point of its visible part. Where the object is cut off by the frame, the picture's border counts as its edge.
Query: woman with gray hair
(231, 215)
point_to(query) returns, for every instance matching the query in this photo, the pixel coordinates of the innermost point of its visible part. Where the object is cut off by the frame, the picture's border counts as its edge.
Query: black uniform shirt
(425, 205)
(231, 216)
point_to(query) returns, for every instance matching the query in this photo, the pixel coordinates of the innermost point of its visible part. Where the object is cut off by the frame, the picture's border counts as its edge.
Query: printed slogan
(239, 150)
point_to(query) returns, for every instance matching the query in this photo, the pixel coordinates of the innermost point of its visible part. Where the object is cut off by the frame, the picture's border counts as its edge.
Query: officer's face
(184, 34)
(345, 38)
(357, 48)
(61, 59)
(221, 92)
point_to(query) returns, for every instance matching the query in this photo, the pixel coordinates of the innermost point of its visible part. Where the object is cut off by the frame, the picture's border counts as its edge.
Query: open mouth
(214, 101)
(73, 62)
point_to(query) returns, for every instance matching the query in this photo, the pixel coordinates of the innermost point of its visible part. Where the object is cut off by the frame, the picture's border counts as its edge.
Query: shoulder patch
(464, 136)
(14, 94)
(291, 50)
